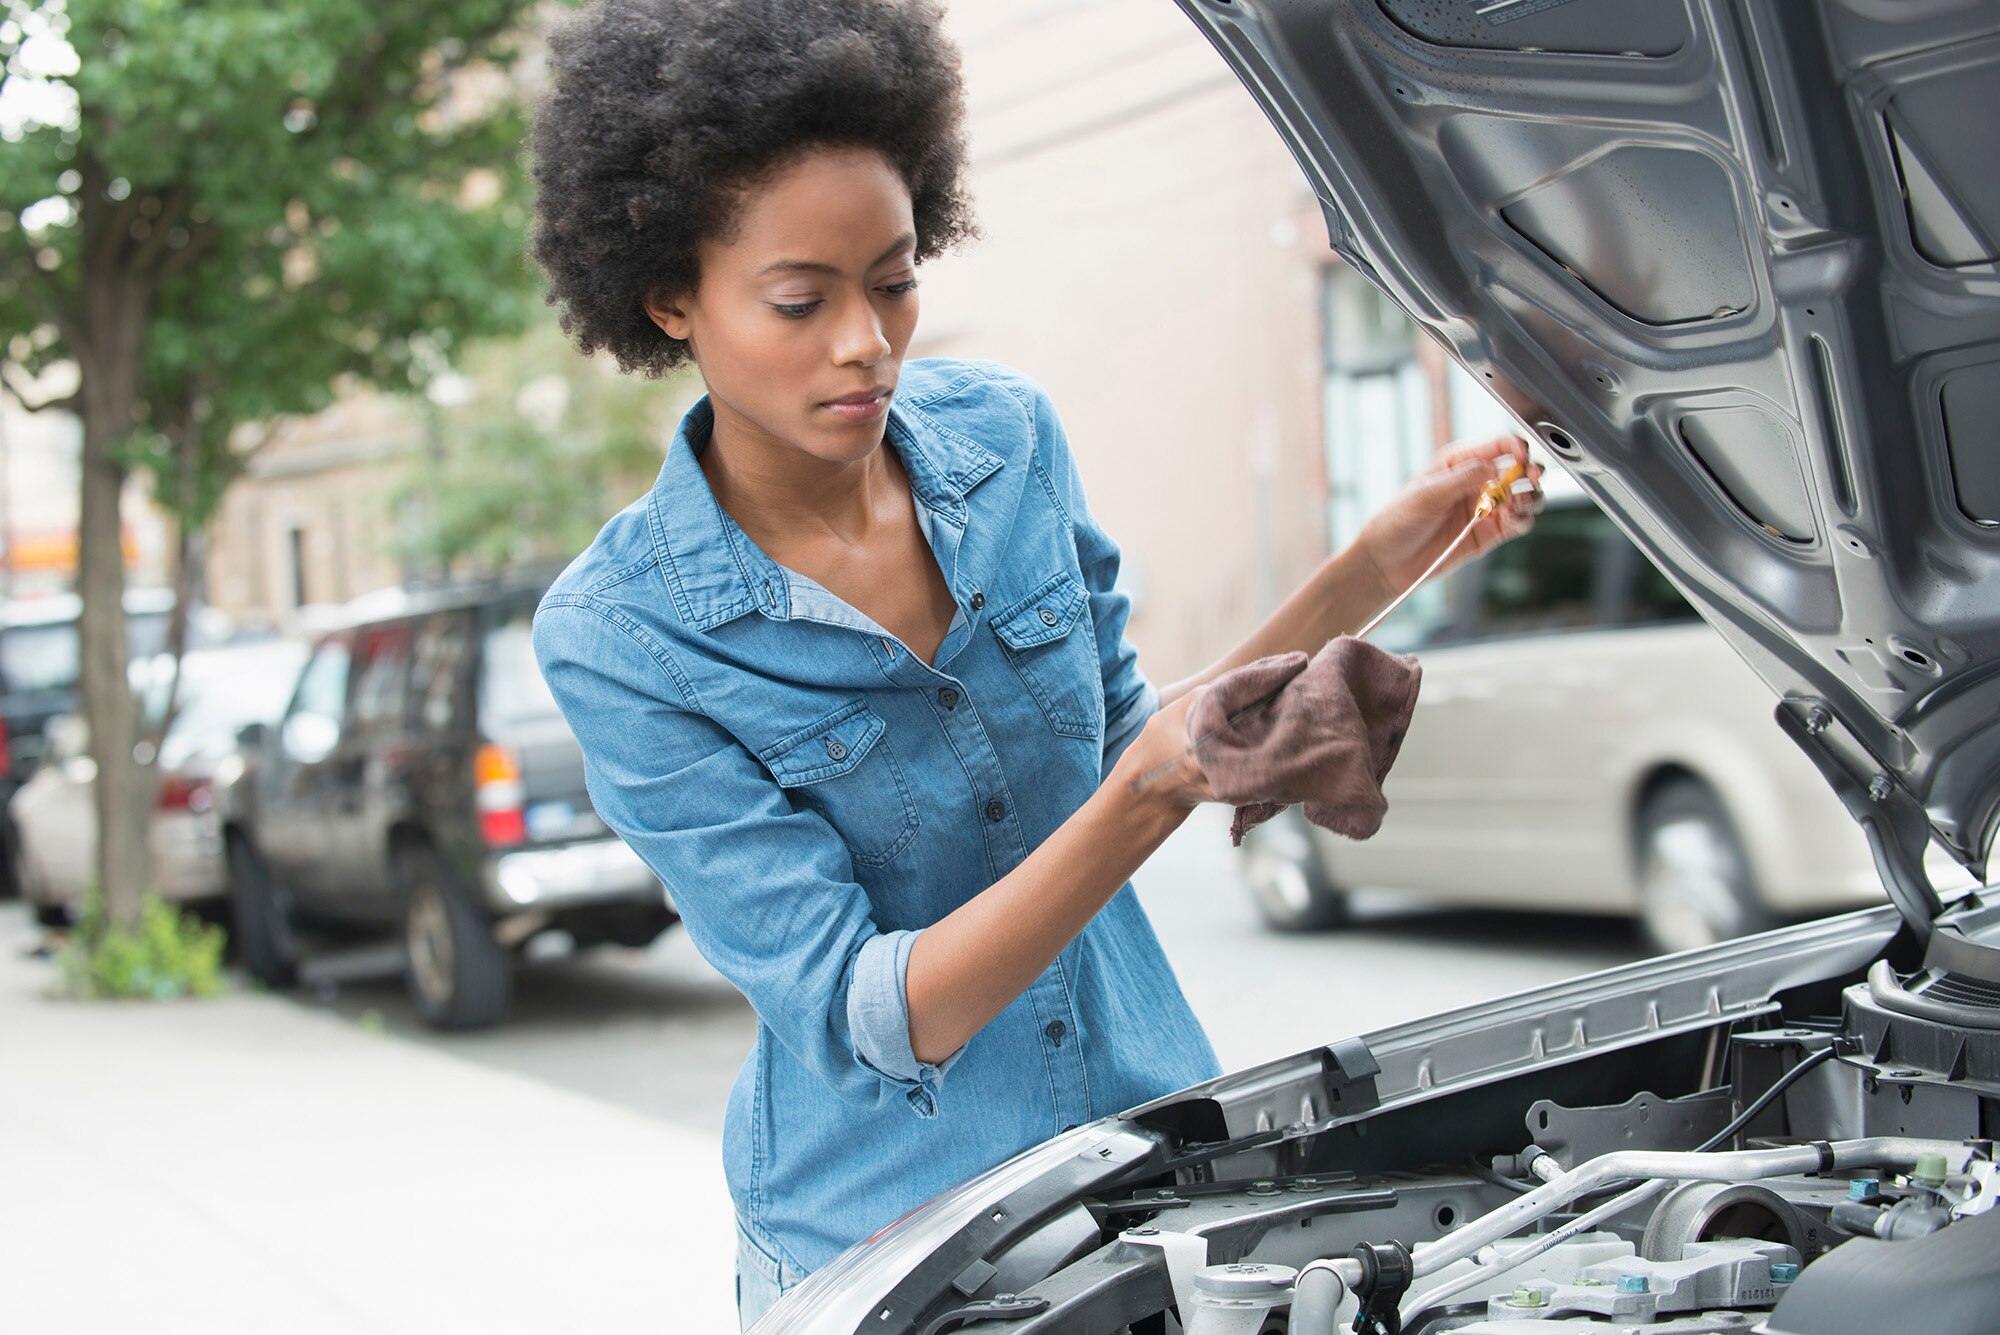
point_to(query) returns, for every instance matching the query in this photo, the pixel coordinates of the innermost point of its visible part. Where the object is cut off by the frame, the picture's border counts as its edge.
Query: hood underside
(1738, 266)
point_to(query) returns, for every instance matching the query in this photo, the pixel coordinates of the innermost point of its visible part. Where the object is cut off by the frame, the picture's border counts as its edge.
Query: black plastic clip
(1387, 1271)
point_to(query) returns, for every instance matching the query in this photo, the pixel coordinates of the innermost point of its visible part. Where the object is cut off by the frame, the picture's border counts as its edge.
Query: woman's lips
(859, 409)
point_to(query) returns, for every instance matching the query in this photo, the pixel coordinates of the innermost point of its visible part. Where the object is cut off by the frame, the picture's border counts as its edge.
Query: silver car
(1736, 263)
(1584, 742)
(220, 691)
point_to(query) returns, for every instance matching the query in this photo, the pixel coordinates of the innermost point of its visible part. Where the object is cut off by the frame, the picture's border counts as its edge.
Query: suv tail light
(179, 793)
(496, 780)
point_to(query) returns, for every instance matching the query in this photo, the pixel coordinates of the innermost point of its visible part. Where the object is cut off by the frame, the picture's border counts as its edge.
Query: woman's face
(802, 317)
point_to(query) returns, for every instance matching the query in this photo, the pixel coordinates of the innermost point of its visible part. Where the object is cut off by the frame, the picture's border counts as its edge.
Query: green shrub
(170, 954)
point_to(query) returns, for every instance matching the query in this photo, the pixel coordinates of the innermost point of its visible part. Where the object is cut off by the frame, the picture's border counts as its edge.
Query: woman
(852, 677)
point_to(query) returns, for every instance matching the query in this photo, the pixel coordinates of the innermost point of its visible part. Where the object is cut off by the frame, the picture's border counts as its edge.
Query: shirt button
(978, 601)
(835, 750)
(1055, 1031)
(996, 810)
(1048, 617)
(948, 697)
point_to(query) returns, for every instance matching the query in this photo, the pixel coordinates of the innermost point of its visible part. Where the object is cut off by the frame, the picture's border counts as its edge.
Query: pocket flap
(1044, 615)
(826, 749)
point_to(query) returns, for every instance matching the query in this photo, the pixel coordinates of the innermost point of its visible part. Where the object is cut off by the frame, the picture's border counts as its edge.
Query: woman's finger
(1453, 487)
(1487, 451)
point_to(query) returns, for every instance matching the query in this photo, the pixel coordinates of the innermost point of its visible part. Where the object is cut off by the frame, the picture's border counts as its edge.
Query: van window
(1654, 599)
(1548, 578)
(1432, 616)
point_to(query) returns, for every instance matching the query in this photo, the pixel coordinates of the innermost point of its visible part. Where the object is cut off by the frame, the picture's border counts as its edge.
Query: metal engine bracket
(1643, 1122)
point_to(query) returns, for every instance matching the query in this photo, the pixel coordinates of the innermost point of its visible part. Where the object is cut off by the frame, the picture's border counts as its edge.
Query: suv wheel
(1287, 882)
(260, 920)
(1695, 887)
(458, 977)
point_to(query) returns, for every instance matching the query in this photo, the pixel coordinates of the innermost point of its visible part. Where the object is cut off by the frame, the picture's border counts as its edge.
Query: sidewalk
(242, 1165)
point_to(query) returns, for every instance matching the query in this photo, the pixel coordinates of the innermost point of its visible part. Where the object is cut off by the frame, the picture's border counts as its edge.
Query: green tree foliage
(542, 447)
(236, 209)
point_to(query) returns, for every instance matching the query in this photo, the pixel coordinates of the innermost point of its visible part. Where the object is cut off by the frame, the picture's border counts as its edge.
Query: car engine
(1792, 1135)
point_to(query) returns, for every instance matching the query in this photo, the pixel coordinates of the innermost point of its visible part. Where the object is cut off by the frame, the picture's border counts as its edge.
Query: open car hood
(1735, 265)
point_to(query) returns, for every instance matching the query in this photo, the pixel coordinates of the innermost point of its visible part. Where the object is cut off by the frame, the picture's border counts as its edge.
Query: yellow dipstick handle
(1494, 494)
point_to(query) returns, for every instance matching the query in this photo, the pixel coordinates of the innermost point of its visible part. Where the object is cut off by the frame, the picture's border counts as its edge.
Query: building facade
(1239, 401)
(313, 520)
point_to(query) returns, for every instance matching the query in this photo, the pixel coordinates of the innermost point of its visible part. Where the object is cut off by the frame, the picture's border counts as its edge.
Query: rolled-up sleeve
(878, 1015)
(765, 887)
(1129, 698)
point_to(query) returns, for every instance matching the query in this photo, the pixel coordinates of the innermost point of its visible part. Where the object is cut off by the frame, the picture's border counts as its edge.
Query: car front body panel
(1735, 264)
(1368, 1138)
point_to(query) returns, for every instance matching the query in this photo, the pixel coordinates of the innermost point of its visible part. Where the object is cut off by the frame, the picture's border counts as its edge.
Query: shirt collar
(716, 573)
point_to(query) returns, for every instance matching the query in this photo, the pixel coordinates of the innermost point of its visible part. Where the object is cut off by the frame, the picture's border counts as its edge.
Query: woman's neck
(774, 489)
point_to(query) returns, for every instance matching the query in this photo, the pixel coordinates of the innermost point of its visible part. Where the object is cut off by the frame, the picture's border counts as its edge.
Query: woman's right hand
(1159, 767)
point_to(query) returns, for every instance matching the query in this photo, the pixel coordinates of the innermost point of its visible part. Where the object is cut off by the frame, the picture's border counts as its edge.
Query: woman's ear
(670, 315)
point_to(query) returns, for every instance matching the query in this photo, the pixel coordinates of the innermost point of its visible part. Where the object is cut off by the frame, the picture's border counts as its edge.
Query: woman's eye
(898, 289)
(797, 312)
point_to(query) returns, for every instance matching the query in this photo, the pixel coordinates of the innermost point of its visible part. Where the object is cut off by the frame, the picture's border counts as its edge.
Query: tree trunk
(115, 310)
(189, 558)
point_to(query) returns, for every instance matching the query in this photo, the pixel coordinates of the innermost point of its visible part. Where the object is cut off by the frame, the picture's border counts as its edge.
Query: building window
(1377, 400)
(1380, 400)
(296, 545)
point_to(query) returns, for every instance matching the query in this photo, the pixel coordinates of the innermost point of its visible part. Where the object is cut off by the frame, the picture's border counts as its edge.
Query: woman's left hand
(1406, 535)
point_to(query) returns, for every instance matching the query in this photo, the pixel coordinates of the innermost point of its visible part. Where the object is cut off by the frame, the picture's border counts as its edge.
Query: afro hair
(661, 112)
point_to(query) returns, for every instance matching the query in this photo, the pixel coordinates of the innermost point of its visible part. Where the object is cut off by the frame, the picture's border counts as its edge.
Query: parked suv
(421, 781)
(1584, 742)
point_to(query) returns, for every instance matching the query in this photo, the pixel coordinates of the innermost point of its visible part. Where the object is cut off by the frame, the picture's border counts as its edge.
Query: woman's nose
(859, 338)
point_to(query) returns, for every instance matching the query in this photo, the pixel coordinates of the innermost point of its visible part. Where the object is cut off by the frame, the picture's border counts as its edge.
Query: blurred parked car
(39, 658)
(38, 669)
(422, 782)
(55, 816)
(1584, 742)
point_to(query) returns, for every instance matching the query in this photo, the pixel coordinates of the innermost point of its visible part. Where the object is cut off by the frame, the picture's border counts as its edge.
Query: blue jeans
(761, 1279)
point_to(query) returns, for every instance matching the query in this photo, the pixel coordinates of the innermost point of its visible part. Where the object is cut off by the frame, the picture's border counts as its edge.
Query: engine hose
(1649, 1166)
(1679, 1166)
(1584, 1223)
(1316, 1296)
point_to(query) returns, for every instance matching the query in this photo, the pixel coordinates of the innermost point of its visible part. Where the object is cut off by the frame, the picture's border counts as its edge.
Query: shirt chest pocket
(1050, 641)
(844, 768)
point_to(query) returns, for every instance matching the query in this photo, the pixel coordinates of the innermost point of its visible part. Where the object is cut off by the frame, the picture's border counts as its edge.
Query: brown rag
(1326, 738)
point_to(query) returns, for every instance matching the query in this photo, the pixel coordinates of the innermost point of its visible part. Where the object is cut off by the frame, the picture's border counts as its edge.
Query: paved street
(659, 1032)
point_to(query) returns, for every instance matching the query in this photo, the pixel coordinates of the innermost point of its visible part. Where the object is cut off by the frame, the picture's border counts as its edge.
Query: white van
(1583, 742)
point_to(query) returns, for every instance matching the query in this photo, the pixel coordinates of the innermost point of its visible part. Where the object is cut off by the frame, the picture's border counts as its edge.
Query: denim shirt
(813, 795)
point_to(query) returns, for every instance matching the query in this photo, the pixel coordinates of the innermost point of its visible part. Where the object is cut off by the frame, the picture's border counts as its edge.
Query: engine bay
(1813, 1161)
